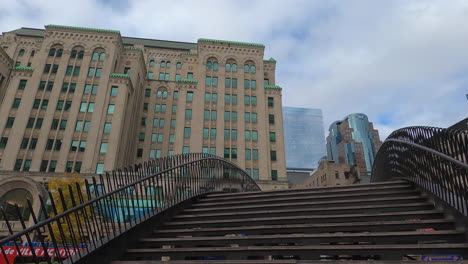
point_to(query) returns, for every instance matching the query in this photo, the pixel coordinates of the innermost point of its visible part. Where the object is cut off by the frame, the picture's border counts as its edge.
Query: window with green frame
(206, 132)
(274, 175)
(248, 154)
(189, 97)
(171, 138)
(188, 114)
(10, 122)
(173, 123)
(107, 128)
(214, 115)
(227, 115)
(248, 135)
(206, 115)
(271, 119)
(255, 154)
(213, 133)
(254, 135)
(272, 155)
(22, 84)
(187, 132)
(272, 137)
(186, 150)
(16, 103)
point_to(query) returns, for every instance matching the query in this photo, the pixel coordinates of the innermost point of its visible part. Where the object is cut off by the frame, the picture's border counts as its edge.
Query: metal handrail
(126, 199)
(435, 159)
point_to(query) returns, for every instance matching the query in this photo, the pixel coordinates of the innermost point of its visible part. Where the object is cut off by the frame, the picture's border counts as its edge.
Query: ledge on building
(188, 53)
(273, 87)
(187, 81)
(231, 42)
(119, 75)
(22, 68)
(83, 29)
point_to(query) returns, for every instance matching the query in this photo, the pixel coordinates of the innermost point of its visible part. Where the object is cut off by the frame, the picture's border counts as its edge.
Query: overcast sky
(402, 63)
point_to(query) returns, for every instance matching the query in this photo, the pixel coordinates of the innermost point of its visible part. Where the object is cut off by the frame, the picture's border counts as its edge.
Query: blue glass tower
(304, 137)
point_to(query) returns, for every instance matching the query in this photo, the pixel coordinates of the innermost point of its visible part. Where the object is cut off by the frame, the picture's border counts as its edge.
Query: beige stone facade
(91, 100)
(330, 173)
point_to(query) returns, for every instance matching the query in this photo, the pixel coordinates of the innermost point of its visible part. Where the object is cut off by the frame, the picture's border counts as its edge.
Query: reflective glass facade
(304, 137)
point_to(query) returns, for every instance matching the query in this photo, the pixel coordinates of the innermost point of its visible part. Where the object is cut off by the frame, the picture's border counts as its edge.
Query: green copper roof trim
(232, 42)
(132, 48)
(84, 29)
(187, 81)
(189, 53)
(119, 75)
(273, 87)
(270, 59)
(23, 68)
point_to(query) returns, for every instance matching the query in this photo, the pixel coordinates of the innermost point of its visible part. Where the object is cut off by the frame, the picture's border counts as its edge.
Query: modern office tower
(354, 141)
(304, 137)
(90, 100)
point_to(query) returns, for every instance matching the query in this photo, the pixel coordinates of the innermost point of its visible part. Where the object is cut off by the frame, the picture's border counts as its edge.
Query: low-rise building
(330, 173)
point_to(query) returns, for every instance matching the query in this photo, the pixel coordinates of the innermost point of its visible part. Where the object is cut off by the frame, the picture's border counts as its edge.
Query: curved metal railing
(85, 216)
(435, 159)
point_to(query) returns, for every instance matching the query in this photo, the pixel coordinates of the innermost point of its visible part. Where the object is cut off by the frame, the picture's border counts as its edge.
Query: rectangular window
(79, 126)
(42, 85)
(22, 84)
(99, 168)
(39, 123)
(155, 122)
(207, 97)
(254, 117)
(234, 153)
(82, 146)
(206, 115)
(272, 137)
(273, 155)
(150, 75)
(161, 76)
(246, 84)
(174, 109)
(214, 114)
(171, 138)
(213, 151)
(234, 99)
(266, 82)
(107, 128)
(87, 125)
(253, 84)
(247, 117)
(60, 104)
(247, 100)
(254, 100)
(145, 106)
(255, 154)
(52, 165)
(147, 92)
(49, 86)
(255, 174)
(173, 123)
(33, 143)
(185, 150)
(58, 145)
(127, 70)
(187, 132)
(227, 152)
(76, 71)
(233, 116)
(114, 90)
(30, 123)
(227, 134)
(227, 99)
(154, 137)
(190, 75)
(234, 134)
(248, 136)
(214, 81)
(205, 150)
(227, 83)
(206, 132)
(254, 135)
(10, 122)
(24, 143)
(54, 68)
(110, 109)
(18, 164)
(274, 175)
(98, 72)
(55, 124)
(208, 81)
(49, 144)
(337, 175)
(271, 119)
(213, 133)
(175, 95)
(227, 116)
(160, 138)
(91, 71)
(188, 114)
(248, 154)
(63, 124)
(83, 107)
(47, 68)
(167, 77)
(163, 108)
(141, 137)
(189, 97)
(44, 165)
(177, 77)
(44, 104)
(270, 102)
(16, 103)
(69, 70)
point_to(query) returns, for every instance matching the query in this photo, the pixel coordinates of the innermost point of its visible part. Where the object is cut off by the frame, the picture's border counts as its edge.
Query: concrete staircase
(381, 221)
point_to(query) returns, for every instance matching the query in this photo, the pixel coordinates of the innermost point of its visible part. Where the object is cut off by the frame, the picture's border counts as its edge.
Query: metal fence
(75, 221)
(435, 159)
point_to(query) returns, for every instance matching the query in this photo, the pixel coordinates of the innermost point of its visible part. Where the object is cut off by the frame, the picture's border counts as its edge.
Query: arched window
(168, 64)
(152, 63)
(249, 66)
(215, 66)
(73, 54)
(21, 52)
(228, 67)
(52, 52)
(163, 64)
(95, 56)
(80, 54)
(165, 94)
(159, 94)
(234, 67)
(179, 65)
(252, 69)
(59, 52)
(33, 53)
(102, 56)
(208, 65)
(246, 68)
(212, 64)
(19, 197)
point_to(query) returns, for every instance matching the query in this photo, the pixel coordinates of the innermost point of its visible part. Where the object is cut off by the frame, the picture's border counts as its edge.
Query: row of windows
(213, 65)
(165, 64)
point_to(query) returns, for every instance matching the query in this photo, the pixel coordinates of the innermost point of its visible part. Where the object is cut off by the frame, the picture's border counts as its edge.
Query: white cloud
(407, 58)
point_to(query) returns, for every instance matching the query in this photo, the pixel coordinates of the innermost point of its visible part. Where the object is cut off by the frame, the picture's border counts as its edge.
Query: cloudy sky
(401, 62)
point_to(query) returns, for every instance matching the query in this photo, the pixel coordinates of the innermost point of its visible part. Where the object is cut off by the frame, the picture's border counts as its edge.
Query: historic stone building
(90, 100)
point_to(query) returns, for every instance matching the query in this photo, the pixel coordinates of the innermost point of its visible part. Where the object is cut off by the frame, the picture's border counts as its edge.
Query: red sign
(11, 252)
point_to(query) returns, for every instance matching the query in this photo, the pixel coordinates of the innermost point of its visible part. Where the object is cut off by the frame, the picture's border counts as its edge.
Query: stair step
(306, 211)
(308, 192)
(451, 236)
(406, 225)
(380, 201)
(281, 261)
(331, 218)
(325, 188)
(392, 252)
(307, 198)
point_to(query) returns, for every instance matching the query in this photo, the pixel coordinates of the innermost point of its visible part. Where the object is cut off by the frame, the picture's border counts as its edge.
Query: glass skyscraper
(304, 137)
